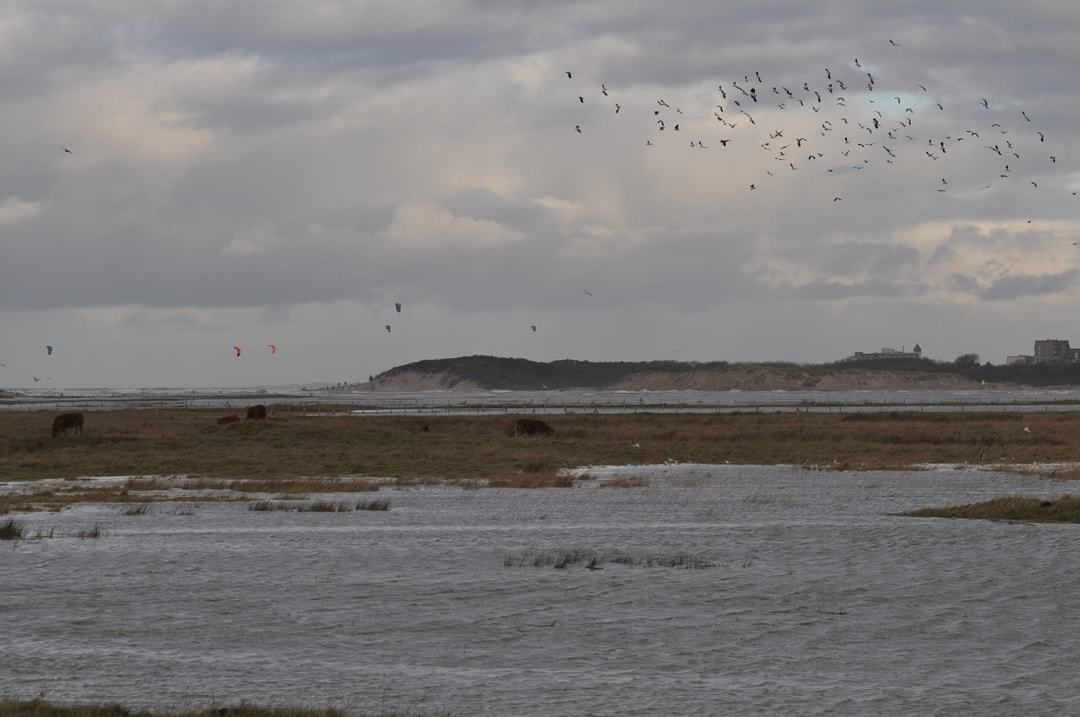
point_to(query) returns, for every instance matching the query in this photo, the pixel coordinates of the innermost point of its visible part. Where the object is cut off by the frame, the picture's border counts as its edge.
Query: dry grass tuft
(549, 480)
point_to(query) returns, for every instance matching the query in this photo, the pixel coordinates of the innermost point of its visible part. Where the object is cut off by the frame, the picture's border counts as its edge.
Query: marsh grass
(762, 499)
(90, 533)
(319, 506)
(137, 509)
(629, 482)
(1035, 510)
(11, 529)
(276, 457)
(594, 560)
(57, 500)
(292, 485)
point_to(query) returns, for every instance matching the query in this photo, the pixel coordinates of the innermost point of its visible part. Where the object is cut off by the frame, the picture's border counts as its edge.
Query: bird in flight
(588, 293)
(569, 76)
(894, 43)
(67, 150)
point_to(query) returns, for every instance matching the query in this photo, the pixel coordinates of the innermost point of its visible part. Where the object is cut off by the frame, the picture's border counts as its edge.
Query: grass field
(278, 453)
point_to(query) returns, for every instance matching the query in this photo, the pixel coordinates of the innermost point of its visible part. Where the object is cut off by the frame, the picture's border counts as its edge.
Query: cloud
(14, 209)
(261, 238)
(421, 224)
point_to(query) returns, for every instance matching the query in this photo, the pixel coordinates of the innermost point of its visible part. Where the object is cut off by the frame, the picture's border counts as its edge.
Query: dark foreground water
(817, 602)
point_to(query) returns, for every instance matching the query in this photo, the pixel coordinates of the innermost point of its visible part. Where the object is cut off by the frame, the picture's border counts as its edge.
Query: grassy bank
(483, 447)
(1034, 510)
(41, 708)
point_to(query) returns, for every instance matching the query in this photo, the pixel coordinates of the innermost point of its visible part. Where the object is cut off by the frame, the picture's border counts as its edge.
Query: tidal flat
(761, 589)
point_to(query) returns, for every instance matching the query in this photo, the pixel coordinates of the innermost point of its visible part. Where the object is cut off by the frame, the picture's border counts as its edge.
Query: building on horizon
(888, 354)
(1047, 351)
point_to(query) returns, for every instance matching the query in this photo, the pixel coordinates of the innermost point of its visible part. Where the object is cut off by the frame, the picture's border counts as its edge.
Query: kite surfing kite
(397, 307)
(273, 349)
(48, 350)
(387, 327)
(237, 350)
(533, 327)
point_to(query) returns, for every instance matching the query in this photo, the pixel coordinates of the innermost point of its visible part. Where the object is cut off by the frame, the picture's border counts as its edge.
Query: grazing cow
(532, 427)
(256, 412)
(231, 418)
(64, 421)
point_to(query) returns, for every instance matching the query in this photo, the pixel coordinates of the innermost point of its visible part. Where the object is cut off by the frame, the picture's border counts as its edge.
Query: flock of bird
(847, 121)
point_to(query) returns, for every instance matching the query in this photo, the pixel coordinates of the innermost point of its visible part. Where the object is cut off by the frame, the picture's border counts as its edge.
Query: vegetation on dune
(497, 373)
(501, 373)
(305, 454)
(1035, 510)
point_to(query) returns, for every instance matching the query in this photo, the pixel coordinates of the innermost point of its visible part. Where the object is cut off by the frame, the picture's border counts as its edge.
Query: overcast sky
(283, 171)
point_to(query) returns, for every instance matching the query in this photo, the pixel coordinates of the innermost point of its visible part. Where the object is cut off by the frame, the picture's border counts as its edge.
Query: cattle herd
(74, 421)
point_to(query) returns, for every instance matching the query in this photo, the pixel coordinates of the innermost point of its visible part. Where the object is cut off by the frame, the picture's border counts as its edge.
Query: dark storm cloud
(1018, 285)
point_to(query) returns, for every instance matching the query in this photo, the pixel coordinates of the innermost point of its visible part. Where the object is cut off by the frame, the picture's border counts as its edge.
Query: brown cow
(532, 427)
(256, 412)
(64, 421)
(231, 418)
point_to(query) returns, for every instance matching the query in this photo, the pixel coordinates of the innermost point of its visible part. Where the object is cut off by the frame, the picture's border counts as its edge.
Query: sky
(283, 172)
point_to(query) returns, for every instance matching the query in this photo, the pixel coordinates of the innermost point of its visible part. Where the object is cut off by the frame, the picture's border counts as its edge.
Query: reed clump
(1017, 508)
(319, 506)
(11, 529)
(595, 560)
(90, 533)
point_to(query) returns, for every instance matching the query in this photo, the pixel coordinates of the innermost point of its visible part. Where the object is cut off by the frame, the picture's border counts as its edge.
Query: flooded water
(298, 399)
(816, 601)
